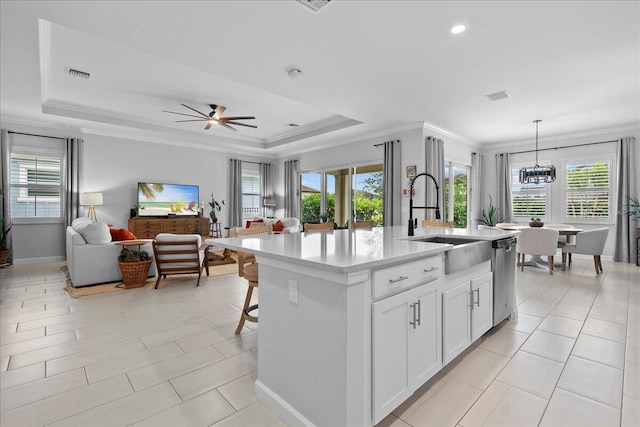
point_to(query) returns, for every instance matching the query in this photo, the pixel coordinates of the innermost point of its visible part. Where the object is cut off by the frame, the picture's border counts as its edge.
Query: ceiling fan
(214, 117)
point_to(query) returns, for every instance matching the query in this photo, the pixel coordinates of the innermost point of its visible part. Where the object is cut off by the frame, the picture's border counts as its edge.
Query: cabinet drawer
(390, 280)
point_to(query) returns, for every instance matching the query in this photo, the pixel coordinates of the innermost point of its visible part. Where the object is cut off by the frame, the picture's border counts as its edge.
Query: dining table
(536, 260)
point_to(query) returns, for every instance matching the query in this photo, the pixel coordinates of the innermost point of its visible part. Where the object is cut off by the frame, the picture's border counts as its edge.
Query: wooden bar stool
(249, 272)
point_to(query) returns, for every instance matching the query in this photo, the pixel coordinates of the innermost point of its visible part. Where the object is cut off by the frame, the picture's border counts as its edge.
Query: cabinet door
(425, 352)
(456, 321)
(482, 309)
(391, 381)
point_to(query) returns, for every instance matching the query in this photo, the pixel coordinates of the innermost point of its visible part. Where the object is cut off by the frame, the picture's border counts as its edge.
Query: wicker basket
(134, 274)
(4, 256)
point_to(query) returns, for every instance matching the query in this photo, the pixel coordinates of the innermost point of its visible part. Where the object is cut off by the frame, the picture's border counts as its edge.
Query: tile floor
(169, 357)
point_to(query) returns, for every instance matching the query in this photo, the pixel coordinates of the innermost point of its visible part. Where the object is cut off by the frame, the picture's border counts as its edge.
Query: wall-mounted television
(166, 200)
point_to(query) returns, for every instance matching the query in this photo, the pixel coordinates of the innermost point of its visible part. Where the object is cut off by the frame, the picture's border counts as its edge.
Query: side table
(215, 230)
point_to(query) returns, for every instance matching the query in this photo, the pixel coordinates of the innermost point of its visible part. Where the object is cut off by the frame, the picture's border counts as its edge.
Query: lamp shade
(268, 201)
(91, 199)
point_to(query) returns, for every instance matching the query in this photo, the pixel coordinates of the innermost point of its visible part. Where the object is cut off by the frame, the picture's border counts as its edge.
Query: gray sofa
(92, 257)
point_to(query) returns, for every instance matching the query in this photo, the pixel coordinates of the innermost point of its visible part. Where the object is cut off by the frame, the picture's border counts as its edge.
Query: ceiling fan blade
(194, 120)
(182, 114)
(240, 124)
(228, 127)
(193, 109)
(226, 119)
(208, 126)
(219, 112)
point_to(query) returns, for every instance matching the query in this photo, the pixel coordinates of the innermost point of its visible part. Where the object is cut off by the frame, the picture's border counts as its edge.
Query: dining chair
(537, 241)
(326, 226)
(588, 242)
(428, 223)
(562, 240)
(179, 254)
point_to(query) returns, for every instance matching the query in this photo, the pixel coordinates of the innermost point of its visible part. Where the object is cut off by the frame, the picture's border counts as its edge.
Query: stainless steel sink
(466, 252)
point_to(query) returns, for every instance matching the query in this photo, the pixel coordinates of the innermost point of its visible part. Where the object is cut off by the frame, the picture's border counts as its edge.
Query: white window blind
(588, 189)
(250, 193)
(36, 185)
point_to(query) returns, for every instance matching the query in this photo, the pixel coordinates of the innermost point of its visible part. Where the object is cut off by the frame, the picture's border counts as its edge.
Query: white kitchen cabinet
(482, 310)
(406, 345)
(467, 313)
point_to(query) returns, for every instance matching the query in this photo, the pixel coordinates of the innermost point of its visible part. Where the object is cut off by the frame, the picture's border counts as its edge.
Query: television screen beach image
(158, 200)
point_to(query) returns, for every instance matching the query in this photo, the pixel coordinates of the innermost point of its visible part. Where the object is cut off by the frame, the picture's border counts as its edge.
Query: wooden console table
(148, 228)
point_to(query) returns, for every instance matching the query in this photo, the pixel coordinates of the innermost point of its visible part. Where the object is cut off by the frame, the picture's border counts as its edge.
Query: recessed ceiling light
(294, 73)
(457, 29)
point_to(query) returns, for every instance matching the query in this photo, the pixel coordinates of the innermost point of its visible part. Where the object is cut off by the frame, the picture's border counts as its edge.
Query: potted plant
(215, 207)
(4, 233)
(134, 265)
(536, 222)
(491, 218)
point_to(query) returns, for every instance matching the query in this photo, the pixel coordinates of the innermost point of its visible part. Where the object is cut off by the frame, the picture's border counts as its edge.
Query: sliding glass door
(338, 195)
(456, 190)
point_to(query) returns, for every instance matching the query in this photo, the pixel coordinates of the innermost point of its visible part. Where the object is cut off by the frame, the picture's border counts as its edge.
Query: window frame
(30, 150)
(449, 196)
(251, 170)
(610, 220)
(548, 189)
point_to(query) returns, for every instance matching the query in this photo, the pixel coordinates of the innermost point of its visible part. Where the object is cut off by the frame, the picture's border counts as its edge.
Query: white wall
(556, 157)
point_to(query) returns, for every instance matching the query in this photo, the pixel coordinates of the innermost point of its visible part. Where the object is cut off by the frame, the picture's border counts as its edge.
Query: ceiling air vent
(77, 73)
(314, 5)
(497, 96)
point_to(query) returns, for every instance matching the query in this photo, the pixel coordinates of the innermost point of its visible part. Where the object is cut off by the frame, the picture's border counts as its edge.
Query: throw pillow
(257, 223)
(118, 234)
(95, 233)
(278, 226)
(80, 222)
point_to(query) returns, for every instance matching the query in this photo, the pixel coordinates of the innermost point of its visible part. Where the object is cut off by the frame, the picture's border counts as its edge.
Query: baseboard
(38, 260)
(602, 257)
(278, 406)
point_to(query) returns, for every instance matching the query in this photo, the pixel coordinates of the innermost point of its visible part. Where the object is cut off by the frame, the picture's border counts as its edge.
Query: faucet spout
(411, 207)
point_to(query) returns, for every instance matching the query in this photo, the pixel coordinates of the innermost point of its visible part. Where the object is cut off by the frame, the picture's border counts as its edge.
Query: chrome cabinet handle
(399, 279)
(477, 290)
(413, 306)
(429, 270)
(419, 313)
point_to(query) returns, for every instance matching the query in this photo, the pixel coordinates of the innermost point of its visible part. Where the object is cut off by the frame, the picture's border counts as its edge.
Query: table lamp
(92, 200)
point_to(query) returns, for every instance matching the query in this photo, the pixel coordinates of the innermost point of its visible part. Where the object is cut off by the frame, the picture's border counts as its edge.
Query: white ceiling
(368, 66)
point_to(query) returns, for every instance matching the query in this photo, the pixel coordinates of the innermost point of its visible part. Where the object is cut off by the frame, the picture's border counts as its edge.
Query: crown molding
(563, 137)
(449, 134)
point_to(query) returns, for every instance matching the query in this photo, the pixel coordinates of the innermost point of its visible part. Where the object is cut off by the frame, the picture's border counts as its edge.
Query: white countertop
(346, 251)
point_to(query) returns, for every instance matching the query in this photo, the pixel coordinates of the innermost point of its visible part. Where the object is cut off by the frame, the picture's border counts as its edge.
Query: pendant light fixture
(537, 174)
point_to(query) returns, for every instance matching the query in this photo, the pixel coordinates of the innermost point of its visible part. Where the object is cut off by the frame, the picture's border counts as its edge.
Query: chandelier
(537, 174)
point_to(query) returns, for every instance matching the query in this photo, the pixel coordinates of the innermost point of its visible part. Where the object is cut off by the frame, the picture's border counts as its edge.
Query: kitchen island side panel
(317, 350)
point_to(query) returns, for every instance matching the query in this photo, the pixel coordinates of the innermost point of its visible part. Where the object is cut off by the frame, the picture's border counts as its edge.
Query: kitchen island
(351, 322)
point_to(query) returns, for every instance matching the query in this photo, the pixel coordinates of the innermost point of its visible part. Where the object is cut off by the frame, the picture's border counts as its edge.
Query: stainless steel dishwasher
(503, 266)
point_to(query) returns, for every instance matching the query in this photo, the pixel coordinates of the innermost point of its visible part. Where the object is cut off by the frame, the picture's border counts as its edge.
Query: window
(588, 192)
(528, 200)
(36, 184)
(455, 202)
(250, 190)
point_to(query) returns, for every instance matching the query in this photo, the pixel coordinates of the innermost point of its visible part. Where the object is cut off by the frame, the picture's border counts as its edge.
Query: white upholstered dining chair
(588, 242)
(537, 241)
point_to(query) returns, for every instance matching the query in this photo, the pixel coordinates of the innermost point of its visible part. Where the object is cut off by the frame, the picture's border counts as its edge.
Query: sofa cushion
(95, 233)
(118, 234)
(290, 222)
(278, 226)
(80, 222)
